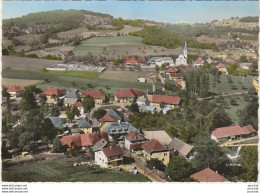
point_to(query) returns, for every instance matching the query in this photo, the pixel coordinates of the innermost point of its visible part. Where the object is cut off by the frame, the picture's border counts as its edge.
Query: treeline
(33, 55)
(158, 36)
(249, 19)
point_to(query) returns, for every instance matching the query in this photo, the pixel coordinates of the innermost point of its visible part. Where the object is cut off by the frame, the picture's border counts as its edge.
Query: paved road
(232, 94)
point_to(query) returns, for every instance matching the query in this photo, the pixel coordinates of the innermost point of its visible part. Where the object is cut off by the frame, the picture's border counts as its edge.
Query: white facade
(182, 58)
(81, 110)
(214, 138)
(100, 159)
(127, 144)
(159, 61)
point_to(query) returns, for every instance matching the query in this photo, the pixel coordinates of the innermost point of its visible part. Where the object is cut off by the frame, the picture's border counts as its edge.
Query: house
(181, 83)
(222, 68)
(97, 95)
(141, 80)
(159, 61)
(180, 146)
(108, 118)
(143, 100)
(209, 60)
(137, 148)
(126, 58)
(141, 60)
(71, 97)
(208, 175)
(182, 58)
(165, 110)
(198, 62)
(4, 87)
(109, 157)
(159, 135)
(15, 91)
(245, 66)
(126, 95)
(171, 73)
(58, 122)
(153, 149)
(68, 102)
(146, 108)
(52, 94)
(79, 107)
(99, 145)
(115, 113)
(229, 60)
(71, 141)
(85, 125)
(119, 128)
(256, 84)
(131, 61)
(232, 132)
(133, 138)
(171, 101)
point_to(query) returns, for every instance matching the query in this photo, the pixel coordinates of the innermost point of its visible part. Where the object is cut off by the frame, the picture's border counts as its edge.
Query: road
(212, 97)
(252, 141)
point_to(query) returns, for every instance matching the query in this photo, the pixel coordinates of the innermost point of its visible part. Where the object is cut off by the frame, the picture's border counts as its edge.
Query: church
(182, 59)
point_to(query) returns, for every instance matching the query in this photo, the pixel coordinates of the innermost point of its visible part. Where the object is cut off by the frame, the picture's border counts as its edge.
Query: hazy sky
(165, 11)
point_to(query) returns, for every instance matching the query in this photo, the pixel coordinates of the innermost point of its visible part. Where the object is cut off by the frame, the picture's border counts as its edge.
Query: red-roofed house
(141, 60)
(181, 83)
(232, 132)
(52, 94)
(79, 107)
(15, 91)
(131, 61)
(222, 68)
(126, 58)
(208, 175)
(132, 138)
(229, 60)
(126, 95)
(153, 149)
(97, 95)
(171, 101)
(172, 73)
(4, 87)
(109, 157)
(71, 141)
(198, 62)
(107, 118)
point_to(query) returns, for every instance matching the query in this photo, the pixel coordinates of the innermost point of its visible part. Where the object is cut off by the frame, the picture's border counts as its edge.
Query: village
(99, 124)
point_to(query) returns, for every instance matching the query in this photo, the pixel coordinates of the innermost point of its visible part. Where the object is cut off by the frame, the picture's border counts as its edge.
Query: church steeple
(185, 51)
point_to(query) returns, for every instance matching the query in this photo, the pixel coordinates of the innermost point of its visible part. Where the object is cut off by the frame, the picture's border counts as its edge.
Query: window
(162, 159)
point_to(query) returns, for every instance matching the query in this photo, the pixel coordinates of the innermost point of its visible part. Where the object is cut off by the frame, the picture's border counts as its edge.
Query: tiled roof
(180, 146)
(208, 175)
(71, 94)
(153, 146)
(159, 135)
(142, 59)
(84, 123)
(15, 89)
(133, 136)
(107, 118)
(96, 94)
(220, 66)
(178, 80)
(126, 58)
(136, 146)
(124, 93)
(232, 131)
(71, 141)
(90, 139)
(4, 87)
(52, 91)
(171, 70)
(131, 61)
(119, 128)
(58, 122)
(166, 99)
(113, 151)
(199, 61)
(77, 104)
(229, 60)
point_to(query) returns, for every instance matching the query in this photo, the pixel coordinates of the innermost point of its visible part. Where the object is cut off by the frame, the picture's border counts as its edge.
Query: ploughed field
(8, 82)
(64, 172)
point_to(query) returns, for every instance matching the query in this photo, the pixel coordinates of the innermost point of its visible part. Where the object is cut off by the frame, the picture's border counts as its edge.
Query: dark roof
(71, 94)
(112, 151)
(58, 122)
(100, 144)
(115, 113)
(208, 175)
(119, 128)
(153, 146)
(84, 123)
(136, 146)
(133, 136)
(180, 146)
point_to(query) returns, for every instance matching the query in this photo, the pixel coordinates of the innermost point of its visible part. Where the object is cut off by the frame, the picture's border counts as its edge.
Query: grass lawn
(79, 74)
(60, 81)
(225, 87)
(63, 172)
(99, 44)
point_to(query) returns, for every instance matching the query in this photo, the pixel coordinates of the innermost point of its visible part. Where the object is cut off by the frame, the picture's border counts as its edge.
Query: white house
(159, 61)
(245, 65)
(109, 156)
(132, 138)
(182, 58)
(198, 62)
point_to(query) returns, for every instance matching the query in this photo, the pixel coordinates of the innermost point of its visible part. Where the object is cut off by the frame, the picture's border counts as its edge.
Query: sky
(162, 11)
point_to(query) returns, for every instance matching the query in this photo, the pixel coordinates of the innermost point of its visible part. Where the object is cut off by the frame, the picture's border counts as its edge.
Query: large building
(182, 58)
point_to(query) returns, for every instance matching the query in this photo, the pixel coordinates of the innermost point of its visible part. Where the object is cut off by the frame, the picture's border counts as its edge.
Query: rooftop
(52, 91)
(96, 94)
(124, 93)
(208, 175)
(112, 151)
(153, 146)
(166, 99)
(159, 135)
(180, 146)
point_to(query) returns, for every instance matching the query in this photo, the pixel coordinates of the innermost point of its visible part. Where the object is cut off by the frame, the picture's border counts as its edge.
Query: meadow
(79, 74)
(99, 44)
(63, 172)
(18, 82)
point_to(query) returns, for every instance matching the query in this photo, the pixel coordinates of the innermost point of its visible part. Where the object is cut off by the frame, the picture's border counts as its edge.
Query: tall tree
(88, 103)
(99, 113)
(28, 101)
(71, 112)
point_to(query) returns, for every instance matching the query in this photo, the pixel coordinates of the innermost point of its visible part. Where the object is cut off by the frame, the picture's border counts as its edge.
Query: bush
(57, 146)
(72, 152)
(155, 163)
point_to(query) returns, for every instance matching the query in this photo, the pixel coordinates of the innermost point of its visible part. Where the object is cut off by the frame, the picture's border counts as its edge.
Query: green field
(224, 87)
(99, 44)
(79, 74)
(60, 81)
(63, 172)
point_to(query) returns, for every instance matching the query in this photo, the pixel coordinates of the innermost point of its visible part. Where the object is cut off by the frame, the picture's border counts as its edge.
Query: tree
(218, 118)
(242, 59)
(179, 169)
(249, 161)
(52, 110)
(88, 103)
(134, 108)
(57, 146)
(99, 113)
(28, 101)
(209, 154)
(48, 131)
(233, 102)
(155, 163)
(71, 112)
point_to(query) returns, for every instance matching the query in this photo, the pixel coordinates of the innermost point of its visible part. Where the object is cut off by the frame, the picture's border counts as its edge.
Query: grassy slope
(79, 74)
(99, 44)
(62, 172)
(67, 82)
